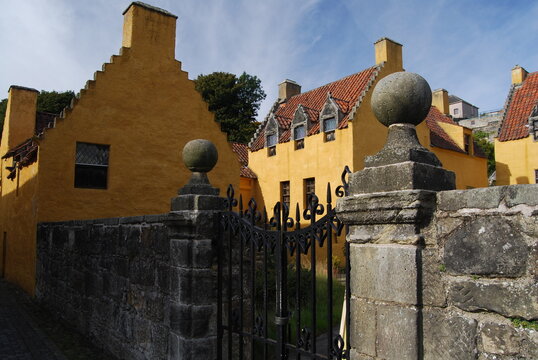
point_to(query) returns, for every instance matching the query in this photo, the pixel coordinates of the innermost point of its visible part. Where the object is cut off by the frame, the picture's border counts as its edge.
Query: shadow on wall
(18, 218)
(522, 180)
(502, 173)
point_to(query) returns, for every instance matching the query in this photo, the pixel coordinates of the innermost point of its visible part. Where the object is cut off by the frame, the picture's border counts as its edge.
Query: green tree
(234, 100)
(47, 101)
(482, 140)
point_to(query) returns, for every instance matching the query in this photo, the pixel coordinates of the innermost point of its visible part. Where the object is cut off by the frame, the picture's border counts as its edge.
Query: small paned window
(271, 140)
(535, 129)
(329, 127)
(285, 192)
(310, 189)
(536, 176)
(467, 143)
(299, 132)
(329, 124)
(298, 135)
(456, 111)
(91, 166)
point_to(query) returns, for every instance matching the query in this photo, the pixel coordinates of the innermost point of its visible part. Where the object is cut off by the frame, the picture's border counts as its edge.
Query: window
(329, 126)
(91, 166)
(271, 140)
(310, 189)
(467, 143)
(298, 136)
(456, 111)
(285, 192)
(536, 176)
(271, 145)
(535, 129)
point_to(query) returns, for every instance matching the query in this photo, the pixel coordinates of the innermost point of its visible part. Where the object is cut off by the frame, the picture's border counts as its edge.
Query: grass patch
(521, 323)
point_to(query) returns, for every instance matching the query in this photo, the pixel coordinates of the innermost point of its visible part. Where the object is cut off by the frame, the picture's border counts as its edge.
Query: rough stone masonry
(140, 287)
(436, 274)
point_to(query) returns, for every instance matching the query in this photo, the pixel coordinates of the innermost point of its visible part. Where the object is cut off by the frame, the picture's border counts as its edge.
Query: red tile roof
(241, 150)
(439, 138)
(345, 92)
(519, 105)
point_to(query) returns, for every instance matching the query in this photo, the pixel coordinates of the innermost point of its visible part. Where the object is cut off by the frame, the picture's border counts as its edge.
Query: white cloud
(466, 47)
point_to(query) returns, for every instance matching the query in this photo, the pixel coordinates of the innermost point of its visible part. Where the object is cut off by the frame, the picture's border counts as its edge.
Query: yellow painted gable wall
(471, 171)
(516, 161)
(142, 105)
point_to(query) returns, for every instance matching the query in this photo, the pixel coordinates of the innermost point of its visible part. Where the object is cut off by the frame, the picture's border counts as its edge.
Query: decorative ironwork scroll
(269, 271)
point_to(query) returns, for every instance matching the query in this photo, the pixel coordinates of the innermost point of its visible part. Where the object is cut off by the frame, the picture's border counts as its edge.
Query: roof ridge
(332, 82)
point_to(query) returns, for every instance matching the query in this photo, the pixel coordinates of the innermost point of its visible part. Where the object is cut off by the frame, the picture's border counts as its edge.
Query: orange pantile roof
(521, 101)
(345, 92)
(241, 150)
(439, 138)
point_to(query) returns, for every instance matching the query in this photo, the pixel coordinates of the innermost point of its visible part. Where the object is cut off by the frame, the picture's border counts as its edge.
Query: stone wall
(444, 275)
(110, 279)
(140, 287)
(479, 272)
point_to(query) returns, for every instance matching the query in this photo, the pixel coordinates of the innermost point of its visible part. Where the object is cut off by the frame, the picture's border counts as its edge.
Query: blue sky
(467, 47)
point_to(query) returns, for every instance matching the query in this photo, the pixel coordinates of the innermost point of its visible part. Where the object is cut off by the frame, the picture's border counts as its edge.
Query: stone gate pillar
(193, 279)
(390, 202)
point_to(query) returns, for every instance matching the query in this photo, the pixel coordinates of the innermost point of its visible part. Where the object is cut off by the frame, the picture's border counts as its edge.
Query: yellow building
(516, 147)
(307, 138)
(116, 151)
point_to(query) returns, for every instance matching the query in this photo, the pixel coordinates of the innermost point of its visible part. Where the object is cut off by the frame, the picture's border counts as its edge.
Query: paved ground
(29, 333)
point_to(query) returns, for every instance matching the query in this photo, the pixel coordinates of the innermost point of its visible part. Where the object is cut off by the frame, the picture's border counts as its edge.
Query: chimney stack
(440, 100)
(518, 74)
(149, 30)
(390, 52)
(287, 89)
(19, 123)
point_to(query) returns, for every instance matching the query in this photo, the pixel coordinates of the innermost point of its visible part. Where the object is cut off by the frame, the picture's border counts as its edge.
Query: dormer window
(329, 127)
(298, 135)
(535, 129)
(271, 144)
(271, 140)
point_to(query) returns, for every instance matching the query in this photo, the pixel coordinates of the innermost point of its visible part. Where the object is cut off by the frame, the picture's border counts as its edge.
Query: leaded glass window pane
(92, 154)
(91, 166)
(329, 124)
(299, 132)
(271, 140)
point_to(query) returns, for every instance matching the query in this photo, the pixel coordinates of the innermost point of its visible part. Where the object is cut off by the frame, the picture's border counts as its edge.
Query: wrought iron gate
(268, 303)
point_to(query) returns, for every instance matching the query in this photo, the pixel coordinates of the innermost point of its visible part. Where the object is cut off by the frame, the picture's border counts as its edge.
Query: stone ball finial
(200, 155)
(401, 98)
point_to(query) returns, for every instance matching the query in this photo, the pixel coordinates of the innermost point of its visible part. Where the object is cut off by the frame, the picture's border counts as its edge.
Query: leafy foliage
(53, 101)
(481, 139)
(47, 101)
(234, 100)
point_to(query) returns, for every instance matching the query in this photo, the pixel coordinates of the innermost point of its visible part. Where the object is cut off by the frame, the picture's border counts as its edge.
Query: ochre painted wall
(144, 106)
(146, 110)
(18, 222)
(471, 171)
(516, 169)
